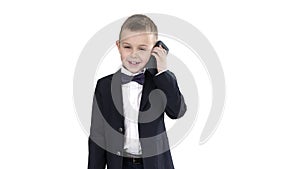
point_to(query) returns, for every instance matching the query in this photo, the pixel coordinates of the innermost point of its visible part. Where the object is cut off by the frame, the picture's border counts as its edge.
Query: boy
(127, 127)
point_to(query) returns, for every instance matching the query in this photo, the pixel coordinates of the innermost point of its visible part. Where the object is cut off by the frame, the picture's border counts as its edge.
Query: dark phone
(152, 61)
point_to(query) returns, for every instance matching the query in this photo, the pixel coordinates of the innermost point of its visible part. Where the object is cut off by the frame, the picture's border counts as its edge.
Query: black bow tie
(140, 78)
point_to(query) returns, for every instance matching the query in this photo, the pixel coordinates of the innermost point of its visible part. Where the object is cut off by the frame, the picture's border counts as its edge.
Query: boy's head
(137, 37)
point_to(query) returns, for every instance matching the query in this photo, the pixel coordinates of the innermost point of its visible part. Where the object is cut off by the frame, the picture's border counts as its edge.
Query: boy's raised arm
(175, 106)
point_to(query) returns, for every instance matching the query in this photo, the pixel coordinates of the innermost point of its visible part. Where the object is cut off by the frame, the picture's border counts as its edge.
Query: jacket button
(120, 129)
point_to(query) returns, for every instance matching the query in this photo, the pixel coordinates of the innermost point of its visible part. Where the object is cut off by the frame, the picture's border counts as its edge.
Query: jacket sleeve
(96, 141)
(175, 105)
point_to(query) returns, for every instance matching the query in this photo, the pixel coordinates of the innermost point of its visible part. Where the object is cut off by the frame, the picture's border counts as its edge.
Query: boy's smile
(135, 49)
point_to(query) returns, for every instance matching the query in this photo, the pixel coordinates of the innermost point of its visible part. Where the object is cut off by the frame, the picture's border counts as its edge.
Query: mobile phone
(152, 61)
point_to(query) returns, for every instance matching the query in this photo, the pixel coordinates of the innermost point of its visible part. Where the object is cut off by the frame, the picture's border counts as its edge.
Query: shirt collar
(127, 72)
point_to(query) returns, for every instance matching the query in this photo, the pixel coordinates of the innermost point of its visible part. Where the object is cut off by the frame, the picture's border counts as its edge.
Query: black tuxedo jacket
(106, 138)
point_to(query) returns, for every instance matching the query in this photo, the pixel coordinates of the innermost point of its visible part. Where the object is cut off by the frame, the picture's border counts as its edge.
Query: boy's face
(135, 49)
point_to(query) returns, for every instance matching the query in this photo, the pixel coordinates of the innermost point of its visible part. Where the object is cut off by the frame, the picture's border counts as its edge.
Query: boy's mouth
(133, 63)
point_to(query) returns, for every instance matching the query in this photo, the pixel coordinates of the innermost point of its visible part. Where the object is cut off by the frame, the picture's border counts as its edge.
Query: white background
(257, 43)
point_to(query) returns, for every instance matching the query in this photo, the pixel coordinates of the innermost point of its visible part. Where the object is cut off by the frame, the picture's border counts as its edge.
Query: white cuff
(161, 72)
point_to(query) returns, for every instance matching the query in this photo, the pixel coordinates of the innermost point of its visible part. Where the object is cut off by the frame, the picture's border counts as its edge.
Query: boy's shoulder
(105, 79)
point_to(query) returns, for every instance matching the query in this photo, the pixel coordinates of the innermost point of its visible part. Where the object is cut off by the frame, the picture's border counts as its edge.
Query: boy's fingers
(155, 51)
(159, 50)
(163, 49)
(154, 54)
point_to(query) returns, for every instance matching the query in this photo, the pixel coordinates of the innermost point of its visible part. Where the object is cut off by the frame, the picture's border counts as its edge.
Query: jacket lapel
(147, 87)
(116, 91)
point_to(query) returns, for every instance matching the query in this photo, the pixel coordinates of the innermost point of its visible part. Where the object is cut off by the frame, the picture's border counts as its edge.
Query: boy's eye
(126, 46)
(142, 49)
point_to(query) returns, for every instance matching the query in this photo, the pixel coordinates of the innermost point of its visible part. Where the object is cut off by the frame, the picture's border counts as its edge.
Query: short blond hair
(139, 23)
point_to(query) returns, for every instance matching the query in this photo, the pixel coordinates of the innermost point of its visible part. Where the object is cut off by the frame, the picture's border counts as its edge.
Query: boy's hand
(160, 55)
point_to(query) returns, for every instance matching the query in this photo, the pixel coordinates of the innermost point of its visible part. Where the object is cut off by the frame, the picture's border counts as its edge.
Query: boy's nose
(134, 54)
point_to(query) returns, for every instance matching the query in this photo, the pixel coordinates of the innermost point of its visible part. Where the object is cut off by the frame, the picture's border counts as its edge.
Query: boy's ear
(118, 44)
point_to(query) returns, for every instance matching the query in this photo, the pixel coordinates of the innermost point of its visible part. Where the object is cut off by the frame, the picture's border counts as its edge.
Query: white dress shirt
(132, 94)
